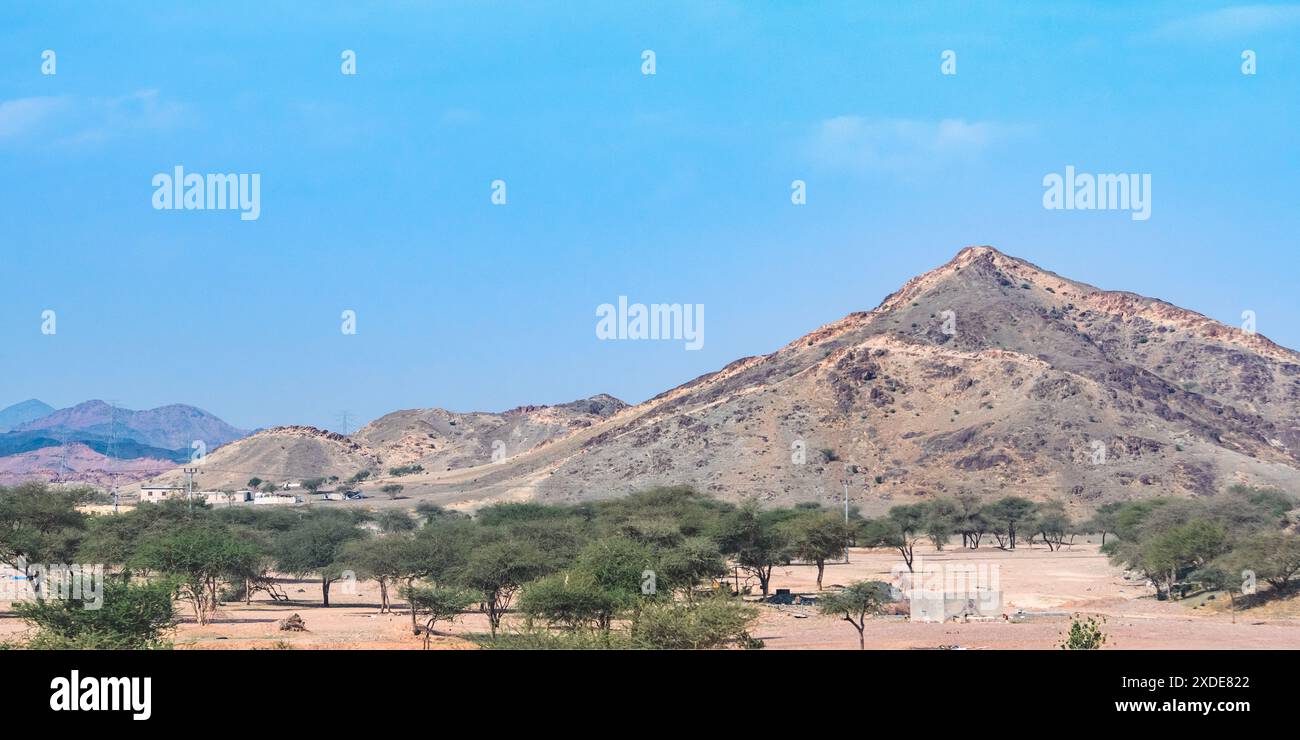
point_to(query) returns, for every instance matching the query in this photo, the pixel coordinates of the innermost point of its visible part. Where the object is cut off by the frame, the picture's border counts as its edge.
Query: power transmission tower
(111, 452)
(63, 457)
(343, 420)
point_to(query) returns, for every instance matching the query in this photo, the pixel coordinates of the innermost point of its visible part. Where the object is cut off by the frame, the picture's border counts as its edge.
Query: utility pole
(846, 482)
(846, 500)
(189, 485)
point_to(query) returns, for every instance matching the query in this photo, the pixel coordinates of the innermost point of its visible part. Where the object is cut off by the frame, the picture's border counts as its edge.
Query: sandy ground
(1079, 580)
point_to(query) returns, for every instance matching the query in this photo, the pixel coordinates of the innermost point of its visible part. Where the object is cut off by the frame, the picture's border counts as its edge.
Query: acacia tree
(40, 525)
(315, 547)
(1105, 520)
(943, 516)
(1005, 514)
(901, 530)
(497, 568)
(383, 559)
(970, 520)
(575, 600)
(683, 565)
(437, 604)
(1166, 552)
(199, 556)
(754, 542)
(437, 554)
(1053, 524)
(854, 603)
(817, 536)
(1272, 556)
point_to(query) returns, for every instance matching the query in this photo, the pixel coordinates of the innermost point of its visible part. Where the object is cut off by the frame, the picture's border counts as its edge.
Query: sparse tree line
(1225, 542)
(645, 570)
(1005, 523)
(626, 572)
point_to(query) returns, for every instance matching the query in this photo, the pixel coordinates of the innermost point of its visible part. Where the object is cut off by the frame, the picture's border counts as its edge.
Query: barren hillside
(986, 375)
(1033, 384)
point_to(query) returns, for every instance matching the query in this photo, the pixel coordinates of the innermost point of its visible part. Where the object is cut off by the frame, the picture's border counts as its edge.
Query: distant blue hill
(14, 443)
(21, 413)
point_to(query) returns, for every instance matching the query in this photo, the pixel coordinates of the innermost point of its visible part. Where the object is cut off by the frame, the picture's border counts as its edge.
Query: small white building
(274, 499)
(158, 494)
(218, 498)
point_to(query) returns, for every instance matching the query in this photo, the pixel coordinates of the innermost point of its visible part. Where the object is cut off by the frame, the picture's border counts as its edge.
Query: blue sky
(671, 188)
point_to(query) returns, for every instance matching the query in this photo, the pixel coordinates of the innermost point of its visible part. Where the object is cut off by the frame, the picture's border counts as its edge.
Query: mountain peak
(169, 427)
(971, 252)
(23, 412)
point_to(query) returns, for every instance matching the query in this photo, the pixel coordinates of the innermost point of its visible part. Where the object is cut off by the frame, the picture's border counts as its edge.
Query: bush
(707, 623)
(1085, 634)
(132, 617)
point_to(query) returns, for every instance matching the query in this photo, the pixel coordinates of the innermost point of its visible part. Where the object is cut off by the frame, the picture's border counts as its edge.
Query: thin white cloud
(890, 145)
(23, 115)
(79, 120)
(1226, 23)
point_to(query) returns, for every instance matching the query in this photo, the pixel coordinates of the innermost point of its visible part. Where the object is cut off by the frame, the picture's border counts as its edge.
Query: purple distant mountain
(171, 427)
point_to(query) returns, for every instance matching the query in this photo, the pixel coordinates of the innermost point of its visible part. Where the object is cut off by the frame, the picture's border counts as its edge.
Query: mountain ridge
(985, 375)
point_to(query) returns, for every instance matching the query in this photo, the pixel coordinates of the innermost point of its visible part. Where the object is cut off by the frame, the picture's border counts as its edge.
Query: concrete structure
(274, 499)
(218, 498)
(158, 494)
(936, 606)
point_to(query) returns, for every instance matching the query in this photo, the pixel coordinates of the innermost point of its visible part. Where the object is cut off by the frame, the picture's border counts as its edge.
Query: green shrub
(131, 617)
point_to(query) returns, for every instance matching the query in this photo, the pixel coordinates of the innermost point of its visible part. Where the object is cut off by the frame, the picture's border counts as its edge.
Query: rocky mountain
(100, 444)
(23, 412)
(171, 427)
(438, 439)
(987, 375)
(78, 463)
(428, 439)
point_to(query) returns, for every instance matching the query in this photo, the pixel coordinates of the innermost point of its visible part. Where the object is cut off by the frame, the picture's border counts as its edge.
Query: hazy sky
(671, 188)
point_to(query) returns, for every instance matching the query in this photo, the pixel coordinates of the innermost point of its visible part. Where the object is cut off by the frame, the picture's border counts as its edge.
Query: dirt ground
(1074, 581)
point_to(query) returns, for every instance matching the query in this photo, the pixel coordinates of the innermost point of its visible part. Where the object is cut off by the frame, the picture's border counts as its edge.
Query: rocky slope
(987, 375)
(77, 463)
(433, 439)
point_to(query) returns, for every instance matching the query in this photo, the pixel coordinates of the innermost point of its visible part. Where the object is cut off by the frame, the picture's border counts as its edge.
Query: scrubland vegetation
(664, 568)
